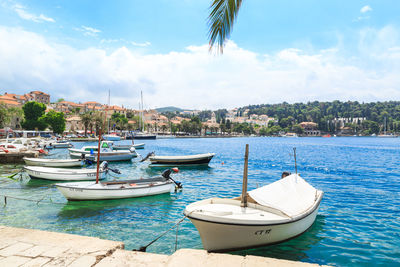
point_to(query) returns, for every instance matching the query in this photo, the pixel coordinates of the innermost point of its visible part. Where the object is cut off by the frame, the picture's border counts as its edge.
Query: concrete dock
(17, 157)
(27, 247)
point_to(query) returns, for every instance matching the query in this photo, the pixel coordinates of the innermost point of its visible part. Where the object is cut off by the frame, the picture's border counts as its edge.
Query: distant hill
(170, 109)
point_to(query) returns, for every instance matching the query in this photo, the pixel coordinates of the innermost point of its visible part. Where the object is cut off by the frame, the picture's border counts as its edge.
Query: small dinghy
(118, 189)
(199, 159)
(63, 174)
(268, 215)
(60, 163)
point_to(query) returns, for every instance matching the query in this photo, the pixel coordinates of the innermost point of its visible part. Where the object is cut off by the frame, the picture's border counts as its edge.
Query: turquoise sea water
(358, 222)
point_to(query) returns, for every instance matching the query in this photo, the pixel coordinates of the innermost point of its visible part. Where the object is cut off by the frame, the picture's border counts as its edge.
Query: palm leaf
(220, 21)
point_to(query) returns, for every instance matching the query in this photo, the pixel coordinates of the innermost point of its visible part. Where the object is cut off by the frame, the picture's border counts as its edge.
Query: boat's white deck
(234, 213)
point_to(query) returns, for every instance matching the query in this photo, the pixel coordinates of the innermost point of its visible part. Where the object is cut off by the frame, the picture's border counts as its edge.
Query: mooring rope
(143, 248)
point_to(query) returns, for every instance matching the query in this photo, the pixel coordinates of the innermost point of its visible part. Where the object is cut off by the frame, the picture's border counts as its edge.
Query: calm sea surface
(358, 223)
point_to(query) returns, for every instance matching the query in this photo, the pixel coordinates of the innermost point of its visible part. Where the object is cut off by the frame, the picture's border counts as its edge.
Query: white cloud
(122, 41)
(24, 14)
(195, 79)
(88, 31)
(365, 9)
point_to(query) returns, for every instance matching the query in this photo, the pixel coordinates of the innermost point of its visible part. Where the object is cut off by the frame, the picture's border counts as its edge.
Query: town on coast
(288, 120)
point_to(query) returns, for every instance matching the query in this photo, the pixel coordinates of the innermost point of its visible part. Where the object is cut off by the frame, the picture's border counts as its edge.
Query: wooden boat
(268, 215)
(118, 189)
(181, 160)
(275, 213)
(63, 174)
(107, 152)
(61, 163)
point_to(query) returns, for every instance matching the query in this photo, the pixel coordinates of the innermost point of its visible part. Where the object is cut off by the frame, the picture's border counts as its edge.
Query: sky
(293, 51)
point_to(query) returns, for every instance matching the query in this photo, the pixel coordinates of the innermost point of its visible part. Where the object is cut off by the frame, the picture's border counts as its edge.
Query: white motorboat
(62, 174)
(199, 159)
(107, 152)
(128, 147)
(118, 189)
(275, 213)
(61, 163)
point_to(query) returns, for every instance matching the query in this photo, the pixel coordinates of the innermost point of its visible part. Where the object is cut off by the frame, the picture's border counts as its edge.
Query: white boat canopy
(292, 195)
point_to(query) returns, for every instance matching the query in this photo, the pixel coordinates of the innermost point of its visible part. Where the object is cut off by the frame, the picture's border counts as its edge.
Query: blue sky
(279, 51)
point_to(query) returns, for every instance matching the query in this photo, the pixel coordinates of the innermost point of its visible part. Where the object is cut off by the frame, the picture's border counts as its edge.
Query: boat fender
(41, 151)
(284, 174)
(5, 150)
(91, 152)
(133, 184)
(132, 149)
(175, 169)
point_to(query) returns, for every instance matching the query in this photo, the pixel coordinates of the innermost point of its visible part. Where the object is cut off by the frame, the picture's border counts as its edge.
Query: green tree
(223, 15)
(56, 121)
(86, 119)
(4, 115)
(33, 113)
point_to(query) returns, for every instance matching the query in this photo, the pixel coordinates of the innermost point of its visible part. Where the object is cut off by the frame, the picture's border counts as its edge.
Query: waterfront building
(74, 124)
(310, 128)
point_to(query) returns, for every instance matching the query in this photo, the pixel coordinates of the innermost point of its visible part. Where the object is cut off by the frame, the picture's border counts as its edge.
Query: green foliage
(4, 115)
(33, 112)
(119, 120)
(60, 100)
(55, 120)
(205, 115)
(324, 113)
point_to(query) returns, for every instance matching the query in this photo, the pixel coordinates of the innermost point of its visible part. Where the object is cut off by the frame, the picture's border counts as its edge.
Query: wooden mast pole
(98, 158)
(243, 202)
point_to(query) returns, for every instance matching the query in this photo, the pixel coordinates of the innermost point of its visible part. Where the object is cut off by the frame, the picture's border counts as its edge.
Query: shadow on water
(294, 249)
(87, 209)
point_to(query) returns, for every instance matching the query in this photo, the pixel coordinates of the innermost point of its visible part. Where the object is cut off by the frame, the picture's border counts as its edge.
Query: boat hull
(90, 175)
(127, 147)
(112, 137)
(60, 145)
(104, 156)
(80, 193)
(181, 160)
(53, 163)
(217, 236)
(142, 137)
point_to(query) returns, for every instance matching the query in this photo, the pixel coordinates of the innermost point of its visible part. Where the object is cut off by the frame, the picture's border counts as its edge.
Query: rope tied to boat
(143, 248)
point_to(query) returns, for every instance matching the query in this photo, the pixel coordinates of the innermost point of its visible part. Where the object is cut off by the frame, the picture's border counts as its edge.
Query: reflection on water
(87, 209)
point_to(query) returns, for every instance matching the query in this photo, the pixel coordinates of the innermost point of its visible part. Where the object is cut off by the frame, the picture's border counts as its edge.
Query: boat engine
(284, 174)
(147, 156)
(166, 175)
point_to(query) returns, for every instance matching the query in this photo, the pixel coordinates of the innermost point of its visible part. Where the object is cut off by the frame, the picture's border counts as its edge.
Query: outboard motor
(284, 174)
(166, 175)
(148, 156)
(104, 165)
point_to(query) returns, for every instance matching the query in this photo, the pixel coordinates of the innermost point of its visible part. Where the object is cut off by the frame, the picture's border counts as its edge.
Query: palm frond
(220, 21)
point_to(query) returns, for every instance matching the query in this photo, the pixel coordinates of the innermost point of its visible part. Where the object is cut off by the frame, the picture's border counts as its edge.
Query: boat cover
(292, 195)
